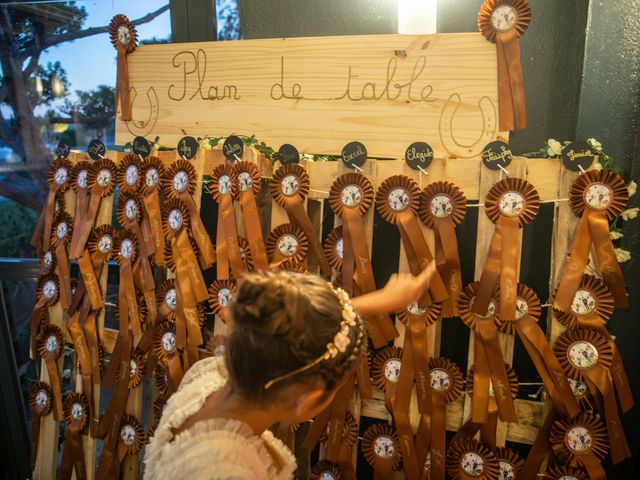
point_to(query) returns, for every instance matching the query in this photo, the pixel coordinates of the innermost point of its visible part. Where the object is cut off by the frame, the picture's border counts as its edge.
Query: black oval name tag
(96, 149)
(187, 147)
(287, 153)
(232, 148)
(576, 155)
(63, 149)
(141, 146)
(419, 155)
(354, 154)
(497, 154)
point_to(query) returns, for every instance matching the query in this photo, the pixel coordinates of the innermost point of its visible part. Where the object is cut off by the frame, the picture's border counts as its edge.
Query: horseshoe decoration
(80, 185)
(220, 296)
(166, 350)
(124, 39)
(540, 352)
(101, 182)
(151, 171)
(289, 188)
(597, 197)
(58, 177)
(510, 204)
(469, 459)
(350, 198)
(585, 355)
(76, 415)
(50, 348)
(442, 207)
(250, 185)
(592, 307)
(489, 363)
(503, 22)
(224, 188)
(287, 247)
(180, 183)
(397, 201)
(381, 449)
(40, 401)
(580, 443)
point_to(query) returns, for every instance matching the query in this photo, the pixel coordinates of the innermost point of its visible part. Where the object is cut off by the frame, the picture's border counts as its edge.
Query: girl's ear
(311, 401)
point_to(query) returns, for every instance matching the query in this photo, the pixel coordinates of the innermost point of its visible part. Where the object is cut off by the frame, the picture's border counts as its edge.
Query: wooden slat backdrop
(552, 182)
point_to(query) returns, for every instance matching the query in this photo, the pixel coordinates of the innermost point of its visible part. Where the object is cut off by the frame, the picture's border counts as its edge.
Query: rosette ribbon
(40, 401)
(250, 185)
(124, 39)
(76, 415)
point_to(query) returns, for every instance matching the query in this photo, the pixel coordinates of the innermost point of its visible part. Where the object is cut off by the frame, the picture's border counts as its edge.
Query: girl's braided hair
(282, 321)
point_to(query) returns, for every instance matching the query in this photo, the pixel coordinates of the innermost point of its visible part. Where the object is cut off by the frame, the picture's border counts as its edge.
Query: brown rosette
(61, 233)
(59, 179)
(469, 459)
(101, 242)
(152, 171)
(159, 405)
(334, 248)
(349, 432)
(130, 216)
(289, 188)
(580, 442)
(510, 204)
(131, 438)
(250, 185)
(245, 254)
(47, 294)
(326, 470)
(126, 252)
(489, 360)
(76, 414)
(381, 449)
(170, 263)
(397, 201)
(161, 380)
(503, 22)
(220, 296)
(488, 428)
(129, 175)
(446, 383)
(597, 197)
(124, 39)
(527, 313)
(101, 181)
(586, 355)
(592, 305)
(50, 347)
(166, 298)
(287, 247)
(385, 368)
(47, 262)
(581, 393)
(442, 207)
(99, 251)
(216, 345)
(510, 463)
(136, 370)
(179, 183)
(414, 312)
(80, 185)
(166, 350)
(563, 472)
(41, 402)
(224, 189)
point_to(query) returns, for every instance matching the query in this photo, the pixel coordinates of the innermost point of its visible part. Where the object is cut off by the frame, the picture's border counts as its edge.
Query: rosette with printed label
(397, 201)
(503, 22)
(446, 381)
(287, 247)
(136, 369)
(535, 342)
(381, 450)
(47, 260)
(585, 355)
(289, 188)
(245, 254)
(126, 253)
(597, 197)
(469, 459)
(224, 189)
(99, 251)
(220, 296)
(510, 463)
(345, 437)
(50, 348)
(101, 181)
(442, 207)
(510, 204)
(488, 428)
(47, 294)
(166, 350)
(250, 185)
(151, 172)
(563, 472)
(80, 185)
(351, 197)
(76, 415)
(41, 402)
(124, 39)
(581, 442)
(61, 233)
(326, 470)
(385, 372)
(216, 345)
(130, 440)
(489, 363)
(59, 179)
(592, 307)
(334, 248)
(179, 183)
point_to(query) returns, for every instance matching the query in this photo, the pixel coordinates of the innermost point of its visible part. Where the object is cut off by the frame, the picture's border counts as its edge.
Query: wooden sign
(319, 93)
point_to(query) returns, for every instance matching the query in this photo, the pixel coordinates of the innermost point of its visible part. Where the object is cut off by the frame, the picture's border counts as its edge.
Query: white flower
(204, 144)
(615, 235)
(554, 147)
(622, 255)
(341, 341)
(597, 146)
(630, 213)
(631, 188)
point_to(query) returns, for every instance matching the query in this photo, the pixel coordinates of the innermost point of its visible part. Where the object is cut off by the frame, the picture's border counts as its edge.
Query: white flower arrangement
(615, 234)
(632, 187)
(596, 145)
(554, 147)
(622, 255)
(630, 214)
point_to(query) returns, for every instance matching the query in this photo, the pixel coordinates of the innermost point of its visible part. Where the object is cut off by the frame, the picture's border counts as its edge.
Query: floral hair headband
(339, 343)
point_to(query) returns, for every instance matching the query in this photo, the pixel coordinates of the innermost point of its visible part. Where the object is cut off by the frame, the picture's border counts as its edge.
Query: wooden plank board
(319, 93)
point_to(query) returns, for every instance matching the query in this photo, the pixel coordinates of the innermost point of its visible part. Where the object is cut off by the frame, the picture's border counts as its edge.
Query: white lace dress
(213, 449)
